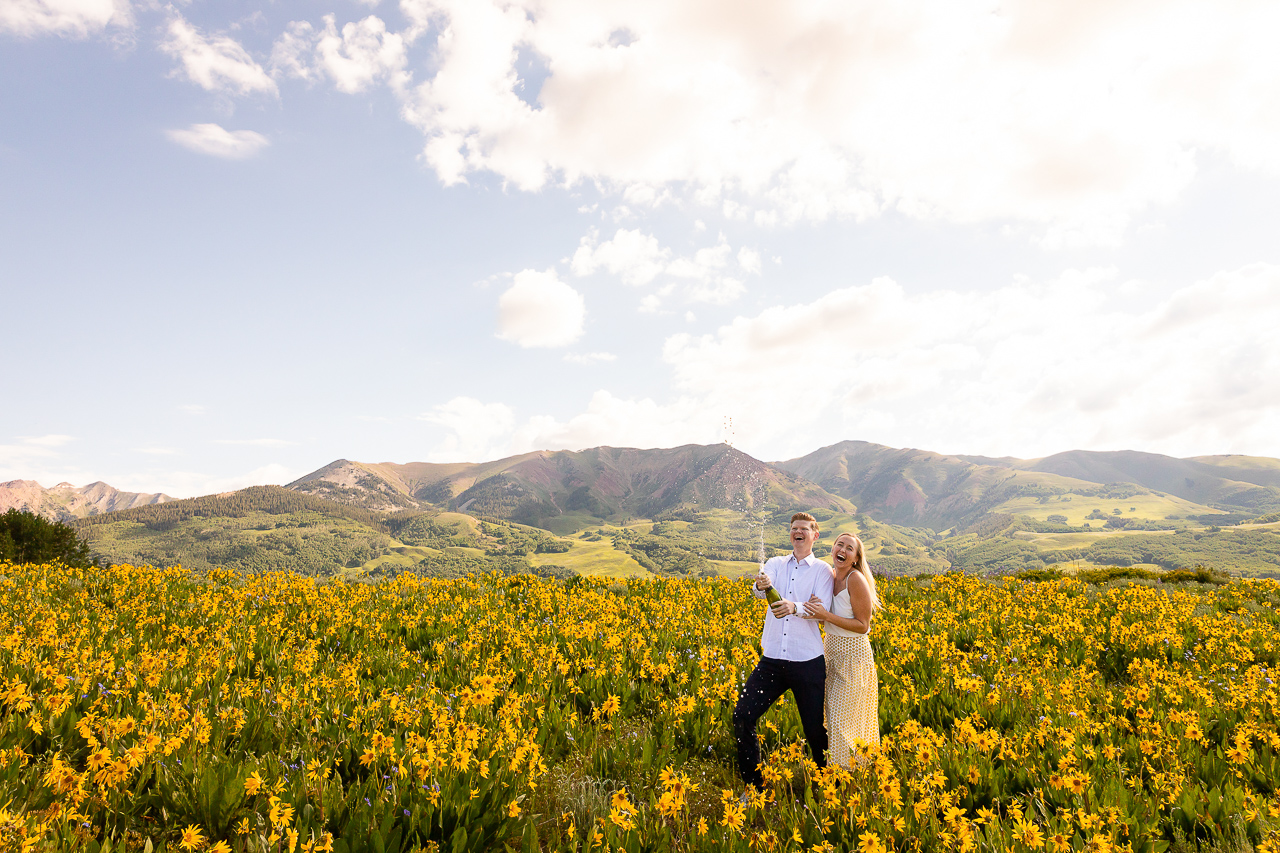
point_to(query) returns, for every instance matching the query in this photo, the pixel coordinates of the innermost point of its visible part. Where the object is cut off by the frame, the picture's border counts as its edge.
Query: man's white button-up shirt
(792, 638)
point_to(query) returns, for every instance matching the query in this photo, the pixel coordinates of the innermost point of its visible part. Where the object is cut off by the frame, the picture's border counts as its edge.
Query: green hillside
(701, 511)
(263, 528)
(1223, 483)
(1259, 470)
(1082, 508)
(919, 488)
(268, 528)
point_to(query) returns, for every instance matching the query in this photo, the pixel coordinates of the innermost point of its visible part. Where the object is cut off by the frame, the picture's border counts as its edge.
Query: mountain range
(602, 482)
(926, 489)
(907, 487)
(65, 502)
(700, 510)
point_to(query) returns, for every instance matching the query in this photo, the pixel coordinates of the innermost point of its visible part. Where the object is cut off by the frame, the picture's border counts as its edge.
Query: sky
(239, 241)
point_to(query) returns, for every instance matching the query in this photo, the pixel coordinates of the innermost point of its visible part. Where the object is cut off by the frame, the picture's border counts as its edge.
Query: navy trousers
(771, 678)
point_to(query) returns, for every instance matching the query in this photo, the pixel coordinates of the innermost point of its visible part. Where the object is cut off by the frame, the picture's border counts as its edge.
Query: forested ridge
(275, 500)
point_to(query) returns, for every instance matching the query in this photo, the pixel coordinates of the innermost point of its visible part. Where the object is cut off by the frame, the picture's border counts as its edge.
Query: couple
(843, 678)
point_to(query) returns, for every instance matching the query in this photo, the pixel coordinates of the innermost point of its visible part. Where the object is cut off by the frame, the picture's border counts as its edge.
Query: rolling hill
(927, 489)
(1227, 483)
(919, 488)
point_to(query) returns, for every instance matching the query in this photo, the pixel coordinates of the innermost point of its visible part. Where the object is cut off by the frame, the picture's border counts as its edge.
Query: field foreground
(149, 709)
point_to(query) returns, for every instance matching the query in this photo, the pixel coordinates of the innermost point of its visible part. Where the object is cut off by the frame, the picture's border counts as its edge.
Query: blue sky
(238, 242)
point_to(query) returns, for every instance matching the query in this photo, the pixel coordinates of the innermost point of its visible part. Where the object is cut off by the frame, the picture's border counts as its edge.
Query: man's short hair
(804, 516)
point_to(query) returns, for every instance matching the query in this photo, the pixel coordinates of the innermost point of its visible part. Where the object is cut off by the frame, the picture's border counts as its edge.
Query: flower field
(148, 710)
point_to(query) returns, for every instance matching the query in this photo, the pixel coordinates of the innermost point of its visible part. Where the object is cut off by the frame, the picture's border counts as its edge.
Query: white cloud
(475, 84)
(255, 442)
(15, 456)
(47, 440)
(621, 423)
(215, 63)
(637, 259)
(1070, 118)
(192, 409)
(292, 53)
(704, 263)
(589, 357)
(365, 52)
(38, 458)
(73, 18)
(1027, 370)
(273, 474)
(634, 257)
(478, 432)
(187, 484)
(721, 291)
(539, 310)
(355, 58)
(214, 140)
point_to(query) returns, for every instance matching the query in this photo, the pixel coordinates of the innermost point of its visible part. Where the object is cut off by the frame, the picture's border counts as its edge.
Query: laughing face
(802, 537)
(843, 551)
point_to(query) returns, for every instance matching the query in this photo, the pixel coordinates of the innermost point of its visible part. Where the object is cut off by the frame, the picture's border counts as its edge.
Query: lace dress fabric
(852, 700)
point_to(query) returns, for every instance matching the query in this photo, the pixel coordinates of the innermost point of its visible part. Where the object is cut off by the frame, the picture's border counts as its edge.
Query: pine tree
(29, 538)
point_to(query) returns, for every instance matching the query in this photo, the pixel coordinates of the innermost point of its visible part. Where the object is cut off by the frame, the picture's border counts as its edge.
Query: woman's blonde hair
(860, 565)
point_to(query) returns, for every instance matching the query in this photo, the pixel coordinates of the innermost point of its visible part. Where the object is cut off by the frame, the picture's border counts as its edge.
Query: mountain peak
(65, 502)
(597, 482)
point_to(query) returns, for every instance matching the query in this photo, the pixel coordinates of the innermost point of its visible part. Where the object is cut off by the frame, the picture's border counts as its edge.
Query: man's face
(802, 536)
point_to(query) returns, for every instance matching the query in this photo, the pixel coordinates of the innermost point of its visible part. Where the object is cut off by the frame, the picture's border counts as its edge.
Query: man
(792, 650)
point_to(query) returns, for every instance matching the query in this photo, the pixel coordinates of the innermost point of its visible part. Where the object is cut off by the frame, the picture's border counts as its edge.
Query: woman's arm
(860, 603)
(859, 598)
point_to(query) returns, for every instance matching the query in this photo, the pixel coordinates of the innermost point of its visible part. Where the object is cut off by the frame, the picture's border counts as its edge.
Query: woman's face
(843, 550)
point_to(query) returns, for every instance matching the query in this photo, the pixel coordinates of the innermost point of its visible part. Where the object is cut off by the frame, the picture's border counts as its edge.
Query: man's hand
(763, 582)
(782, 607)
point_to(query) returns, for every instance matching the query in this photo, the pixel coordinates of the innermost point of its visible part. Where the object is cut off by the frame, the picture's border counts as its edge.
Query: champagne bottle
(771, 595)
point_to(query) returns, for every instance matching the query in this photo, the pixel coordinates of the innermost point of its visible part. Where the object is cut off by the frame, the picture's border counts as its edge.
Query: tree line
(275, 500)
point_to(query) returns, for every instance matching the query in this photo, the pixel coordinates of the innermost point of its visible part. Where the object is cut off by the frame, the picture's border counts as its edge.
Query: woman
(853, 701)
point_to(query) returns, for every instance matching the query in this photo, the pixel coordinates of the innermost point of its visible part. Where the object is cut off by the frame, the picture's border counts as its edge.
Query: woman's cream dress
(853, 698)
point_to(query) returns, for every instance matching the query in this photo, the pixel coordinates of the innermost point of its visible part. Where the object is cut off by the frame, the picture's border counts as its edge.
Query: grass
(469, 522)
(1059, 541)
(1152, 507)
(833, 527)
(1076, 566)
(593, 558)
(401, 555)
(569, 524)
(734, 568)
